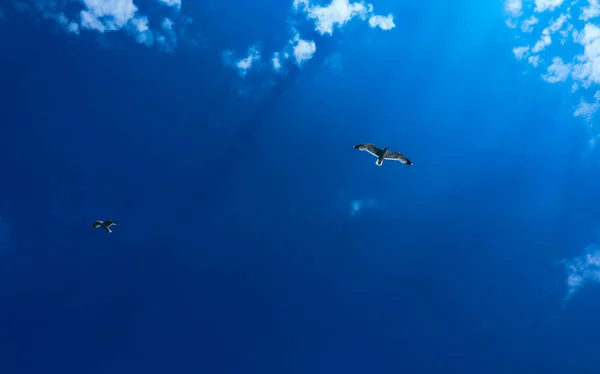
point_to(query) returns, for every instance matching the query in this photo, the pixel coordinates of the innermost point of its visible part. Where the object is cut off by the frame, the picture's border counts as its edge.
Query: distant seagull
(105, 225)
(383, 154)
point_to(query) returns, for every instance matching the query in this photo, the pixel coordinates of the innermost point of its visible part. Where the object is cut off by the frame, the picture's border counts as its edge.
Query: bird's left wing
(369, 148)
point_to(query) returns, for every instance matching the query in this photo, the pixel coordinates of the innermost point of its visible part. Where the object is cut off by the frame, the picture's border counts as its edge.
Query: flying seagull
(383, 154)
(105, 225)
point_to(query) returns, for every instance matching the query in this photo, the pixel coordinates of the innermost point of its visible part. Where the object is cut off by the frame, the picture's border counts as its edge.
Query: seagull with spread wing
(383, 154)
(105, 225)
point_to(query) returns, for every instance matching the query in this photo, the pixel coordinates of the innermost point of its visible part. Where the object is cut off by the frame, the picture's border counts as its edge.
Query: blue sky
(253, 237)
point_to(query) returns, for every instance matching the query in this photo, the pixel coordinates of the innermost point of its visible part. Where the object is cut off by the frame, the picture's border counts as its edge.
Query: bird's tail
(379, 162)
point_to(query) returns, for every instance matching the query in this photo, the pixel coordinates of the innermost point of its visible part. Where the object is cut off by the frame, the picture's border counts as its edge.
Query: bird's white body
(381, 156)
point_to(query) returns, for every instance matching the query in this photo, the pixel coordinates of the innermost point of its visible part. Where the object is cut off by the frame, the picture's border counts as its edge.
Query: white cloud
(340, 12)
(172, 3)
(328, 16)
(545, 39)
(67, 24)
(587, 68)
(141, 31)
(242, 65)
(556, 25)
(246, 63)
(304, 50)
(276, 61)
(114, 15)
(587, 110)
(558, 71)
(384, 23)
(88, 21)
(167, 24)
(511, 23)
(527, 25)
(547, 5)
(111, 14)
(520, 52)
(105, 16)
(167, 39)
(582, 270)
(564, 33)
(513, 8)
(541, 44)
(534, 60)
(591, 11)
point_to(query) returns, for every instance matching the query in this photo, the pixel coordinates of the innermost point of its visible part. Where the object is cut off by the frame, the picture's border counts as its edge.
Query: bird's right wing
(109, 222)
(369, 148)
(398, 156)
(96, 225)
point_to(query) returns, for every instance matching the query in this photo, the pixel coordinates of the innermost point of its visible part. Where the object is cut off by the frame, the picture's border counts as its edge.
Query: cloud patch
(244, 64)
(558, 71)
(326, 18)
(384, 23)
(527, 25)
(582, 270)
(547, 5)
(587, 109)
(304, 50)
(339, 12)
(109, 15)
(276, 61)
(105, 16)
(167, 39)
(574, 61)
(172, 3)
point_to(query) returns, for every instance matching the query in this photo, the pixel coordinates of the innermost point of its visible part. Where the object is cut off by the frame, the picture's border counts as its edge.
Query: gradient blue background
(237, 250)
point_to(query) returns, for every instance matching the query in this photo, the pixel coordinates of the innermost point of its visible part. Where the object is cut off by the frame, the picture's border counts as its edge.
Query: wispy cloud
(587, 109)
(276, 61)
(575, 60)
(172, 3)
(339, 12)
(527, 25)
(167, 39)
(244, 64)
(558, 71)
(50, 10)
(514, 8)
(326, 18)
(582, 270)
(104, 16)
(547, 5)
(591, 11)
